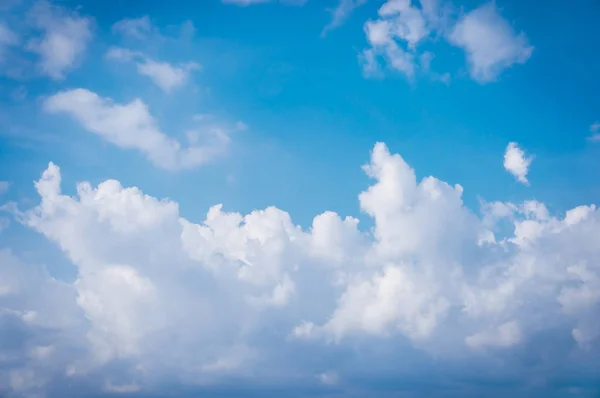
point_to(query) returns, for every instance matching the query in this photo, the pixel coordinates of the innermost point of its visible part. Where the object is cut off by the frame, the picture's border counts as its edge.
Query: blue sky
(336, 266)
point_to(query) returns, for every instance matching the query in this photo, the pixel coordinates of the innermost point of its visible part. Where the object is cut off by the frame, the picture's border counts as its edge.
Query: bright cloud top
(131, 126)
(160, 295)
(516, 163)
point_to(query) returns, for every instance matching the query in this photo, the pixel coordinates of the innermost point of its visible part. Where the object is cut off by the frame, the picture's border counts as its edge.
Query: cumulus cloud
(158, 296)
(400, 27)
(131, 126)
(395, 37)
(516, 163)
(490, 43)
(64, 38)
(165, 75)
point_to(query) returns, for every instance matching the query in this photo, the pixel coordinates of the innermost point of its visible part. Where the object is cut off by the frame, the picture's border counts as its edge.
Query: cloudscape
(299, 198)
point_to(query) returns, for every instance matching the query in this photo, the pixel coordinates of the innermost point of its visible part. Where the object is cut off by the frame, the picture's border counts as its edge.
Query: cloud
(341, 13)
(131, 126)
(166, 76)
(403, 26)
(394, 36)
(33, 306)
(64, 39)
(490, 43)
(516, 163)
(505, 335)
(328, 378)
(160, 297)
(7, 38)
(138, 28)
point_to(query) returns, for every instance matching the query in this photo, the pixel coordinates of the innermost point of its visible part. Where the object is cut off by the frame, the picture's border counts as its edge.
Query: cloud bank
(160, 298)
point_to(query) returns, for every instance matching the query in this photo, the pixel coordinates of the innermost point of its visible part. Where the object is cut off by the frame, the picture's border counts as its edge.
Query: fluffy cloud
(490, 43)
(395, 35)
(132, 126)
(516, 163)
(159, 297)
(166, 76)
(402, 26)
(64, 38)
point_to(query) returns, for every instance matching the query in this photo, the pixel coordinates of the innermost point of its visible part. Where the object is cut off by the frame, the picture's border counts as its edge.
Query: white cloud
(403, 25)
(131, 126)
(138, 28)
(505, 335)
(395, 35)
(490, 43)
(341, 12)
(516, 163)
(65, 36)
(160, 295)
(166, 76)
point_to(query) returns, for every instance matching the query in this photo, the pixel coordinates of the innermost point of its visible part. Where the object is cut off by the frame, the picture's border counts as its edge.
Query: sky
(299, 198)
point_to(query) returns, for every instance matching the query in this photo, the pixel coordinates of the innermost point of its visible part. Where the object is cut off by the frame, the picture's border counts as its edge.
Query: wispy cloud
(64, 38)
(595, 130)
(165, 75)
(340, 13)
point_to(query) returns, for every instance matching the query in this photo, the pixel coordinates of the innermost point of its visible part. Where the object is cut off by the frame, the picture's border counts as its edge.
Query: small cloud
(137, 28)
(7, 36)
(341, 13)
(516, 163)
(165, 75)
(64, 39)
(329, 378)
(595, 130)
(490, 43)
